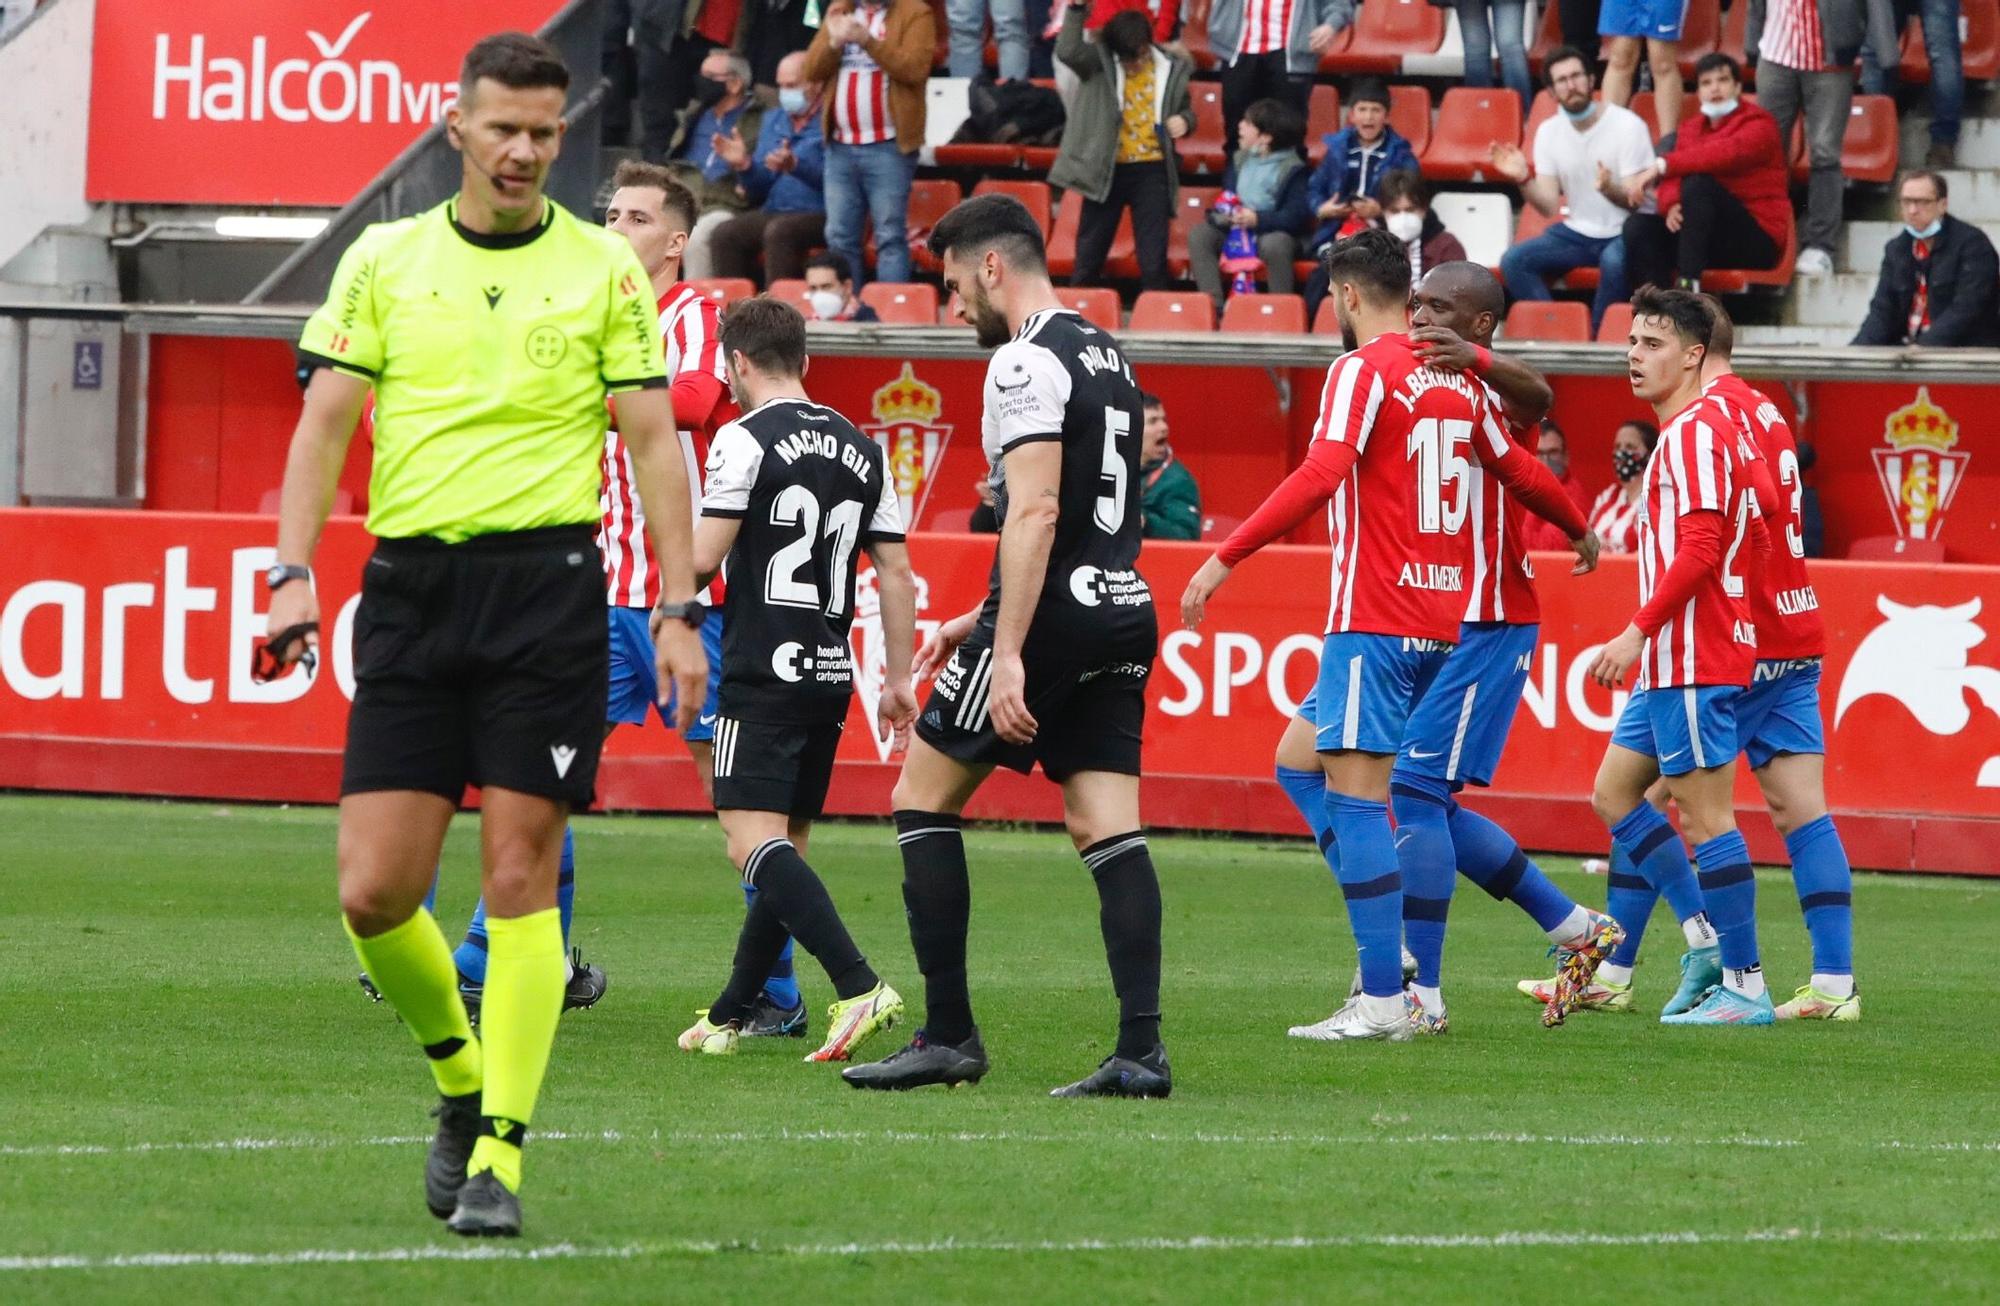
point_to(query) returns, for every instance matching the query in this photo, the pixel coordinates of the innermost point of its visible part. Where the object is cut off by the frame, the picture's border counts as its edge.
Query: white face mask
(826, 304)
(1405, 226)
(1720, 110)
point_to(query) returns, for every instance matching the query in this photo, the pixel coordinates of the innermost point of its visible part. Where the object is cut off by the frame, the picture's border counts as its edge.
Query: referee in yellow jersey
(491, 329)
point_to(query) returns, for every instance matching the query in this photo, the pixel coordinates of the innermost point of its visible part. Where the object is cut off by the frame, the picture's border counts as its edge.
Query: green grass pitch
(189, 1068)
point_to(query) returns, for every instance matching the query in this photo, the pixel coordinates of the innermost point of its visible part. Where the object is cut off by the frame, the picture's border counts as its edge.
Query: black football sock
(799, 900)
(1128, 896)
(937, 894)
(758, 946)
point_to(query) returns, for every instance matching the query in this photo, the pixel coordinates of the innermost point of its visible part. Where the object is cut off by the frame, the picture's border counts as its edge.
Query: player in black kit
(1051, 668)
(792, 490)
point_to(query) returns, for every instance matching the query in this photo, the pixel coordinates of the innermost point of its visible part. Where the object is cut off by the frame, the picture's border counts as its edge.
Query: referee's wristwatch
(691, 612)
(280, 573)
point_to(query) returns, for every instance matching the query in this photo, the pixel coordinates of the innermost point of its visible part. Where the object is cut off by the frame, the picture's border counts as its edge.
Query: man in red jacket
(1723, 197)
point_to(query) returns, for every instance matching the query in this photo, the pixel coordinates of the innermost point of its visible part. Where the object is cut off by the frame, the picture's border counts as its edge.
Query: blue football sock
(783, 982)
(1661, 858)
(431, 898)
(1630, 900)
(1373, 888)
(1729, 887)
(1428, 864)
(1307, 790)
(1491, 859)
(471, 955)
(566, 882)
(1826, 894)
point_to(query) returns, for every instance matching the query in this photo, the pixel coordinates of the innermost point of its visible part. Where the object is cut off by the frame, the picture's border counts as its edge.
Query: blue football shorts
(635, 683)
(1684, 728)
(1460, 727)
(1779, 713)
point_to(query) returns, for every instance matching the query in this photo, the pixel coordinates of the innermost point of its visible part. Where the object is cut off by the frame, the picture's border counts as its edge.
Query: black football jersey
(1060, 378)
(811, 492)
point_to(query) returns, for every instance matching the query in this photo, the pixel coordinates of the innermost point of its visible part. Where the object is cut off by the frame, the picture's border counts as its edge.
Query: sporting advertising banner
(276, 102)
(126, 641)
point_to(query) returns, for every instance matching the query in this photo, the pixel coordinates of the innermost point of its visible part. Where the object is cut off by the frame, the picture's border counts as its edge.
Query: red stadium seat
(1219, 526)
(978, 154)
(1616, 328)
(725, 290)
(1326, 322)
(1701, 28)
(1062, 244)
(1410, 115)
(1550, 319)
(1203, 149)
(1895, 548)
(1546, 37)
(1168, 310)
(1868, 153)
(1265, 315)
(1322, 120)
(1038, 159)
(1647, 106)
(1098, 306)
(1194, 37)
(793, 291)
(929, 201)
(902, 303)
(1469, 122)
(1383, 32)
(1033, 194)
(1190, 212)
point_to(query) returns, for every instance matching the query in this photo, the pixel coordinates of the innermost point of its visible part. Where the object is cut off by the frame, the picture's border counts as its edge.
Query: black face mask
(1626, 464)
(708, 92)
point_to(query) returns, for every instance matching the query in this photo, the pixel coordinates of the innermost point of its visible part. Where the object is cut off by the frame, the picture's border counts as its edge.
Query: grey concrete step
(1978, 142)
(1801, 336)
(1840, 300)
(1861, 245)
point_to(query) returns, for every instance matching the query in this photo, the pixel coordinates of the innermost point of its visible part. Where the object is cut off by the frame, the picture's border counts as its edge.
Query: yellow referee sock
(523, 1000)
(411, 967)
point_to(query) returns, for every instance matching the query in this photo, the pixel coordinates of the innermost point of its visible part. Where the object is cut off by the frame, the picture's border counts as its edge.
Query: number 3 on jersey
(1435, 446)
(796, 506)
(1109, 511)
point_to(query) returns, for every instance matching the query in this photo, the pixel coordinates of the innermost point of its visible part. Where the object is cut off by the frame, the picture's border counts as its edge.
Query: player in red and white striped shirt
(1695, 642)
(1392, 450)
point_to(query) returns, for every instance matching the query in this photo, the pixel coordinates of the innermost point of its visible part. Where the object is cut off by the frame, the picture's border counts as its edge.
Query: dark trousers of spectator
(783, 240)
(1254, 77)
(772, 29)
(1716, 232)
(658, 114)
(1579, 28)
(1823, 98)
(1141, 187)
(636, 59)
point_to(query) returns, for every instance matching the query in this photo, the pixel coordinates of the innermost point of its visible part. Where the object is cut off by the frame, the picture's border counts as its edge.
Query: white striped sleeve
(1349, 402)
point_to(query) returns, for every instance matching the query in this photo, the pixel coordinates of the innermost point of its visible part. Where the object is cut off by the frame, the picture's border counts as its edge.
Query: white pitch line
(229, 1146)
(1505, 1241)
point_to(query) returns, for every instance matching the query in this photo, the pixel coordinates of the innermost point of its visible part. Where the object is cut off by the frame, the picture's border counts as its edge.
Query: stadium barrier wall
(126, 642)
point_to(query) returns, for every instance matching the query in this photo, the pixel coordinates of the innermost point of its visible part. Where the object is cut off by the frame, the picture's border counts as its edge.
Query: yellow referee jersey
(490, 356)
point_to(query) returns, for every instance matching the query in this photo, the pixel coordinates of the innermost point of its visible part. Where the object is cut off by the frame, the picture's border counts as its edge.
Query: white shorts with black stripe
(767, 766)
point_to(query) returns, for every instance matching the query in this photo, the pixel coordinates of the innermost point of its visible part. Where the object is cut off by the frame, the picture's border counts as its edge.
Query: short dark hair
(1127, 38)
(1683, 308)
(1548, 426)
(676, 200)
(1280, 121)
(1147, 399)
(1374, 260)
(1372, 89)
(1482, 290)
(1403, 183)
(1715, 59)
(991, 222)
(1647, 432)
(834, 261)
(513, 59)
(769, 332)
(1924, 174)
(1721, 331)
(1562, 54)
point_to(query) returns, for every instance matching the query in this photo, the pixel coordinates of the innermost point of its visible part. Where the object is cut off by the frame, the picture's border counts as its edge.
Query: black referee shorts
(481, 663)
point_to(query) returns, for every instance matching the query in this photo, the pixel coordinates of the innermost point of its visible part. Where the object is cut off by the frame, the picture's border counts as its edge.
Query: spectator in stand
(878, 58)
(698, 29)
(1804, 52)
(1343, 190)
(1940, 279)
(1657, 25)
(1485, 23)
(1169, 500)
(637, 59)
(1164, 15)
(830, 290)
(1118, 144)
(1724, 198)
(719, 122)
(1407, 215)
(772, 29)
(1615, 514)
(966, 20)
(1269, 180)
(1577, 151)
(1552, 447)
(1882, 53)
(780, 177)
(1271, 48)
(1578, 22)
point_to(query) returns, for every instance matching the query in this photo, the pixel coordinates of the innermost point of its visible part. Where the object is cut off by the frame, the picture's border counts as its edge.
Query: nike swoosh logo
(1419, 755)
(706, 720)
(1668, 757)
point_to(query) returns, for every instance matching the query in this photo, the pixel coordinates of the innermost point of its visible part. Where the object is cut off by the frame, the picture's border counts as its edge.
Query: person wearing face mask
(1404, 207)
(1269, 180)
(830, 291)
(1118, 143)
(719, 122)
(1552, 447)
(1615, 514)
(781, 177)
(1723, 195)
(1940, 281)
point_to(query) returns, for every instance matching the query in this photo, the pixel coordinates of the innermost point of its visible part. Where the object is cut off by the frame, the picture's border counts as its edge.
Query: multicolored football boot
(1577, 962)
(1810, 1004)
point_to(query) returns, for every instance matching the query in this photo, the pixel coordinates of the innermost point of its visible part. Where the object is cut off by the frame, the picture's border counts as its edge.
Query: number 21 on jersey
(783, 583)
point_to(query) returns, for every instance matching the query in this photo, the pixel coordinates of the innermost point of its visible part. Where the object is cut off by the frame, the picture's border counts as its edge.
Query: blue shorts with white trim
(1684, 728)
(1660, 20)
(1779, 713)
(1368, 687)
(635, 682)
(1460, 728)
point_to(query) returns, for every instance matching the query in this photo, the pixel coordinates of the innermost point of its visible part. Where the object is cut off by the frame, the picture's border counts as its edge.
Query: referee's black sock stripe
(441, 1050)
(937, 897)
(507, 1131)
(1128, 915)
(799, 899)
(756, 859)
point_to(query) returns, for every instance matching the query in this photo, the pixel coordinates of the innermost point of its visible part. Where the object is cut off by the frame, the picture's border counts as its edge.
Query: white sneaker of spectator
(1813, 264)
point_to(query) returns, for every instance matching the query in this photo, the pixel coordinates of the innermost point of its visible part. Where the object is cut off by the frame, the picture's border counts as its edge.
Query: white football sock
(1610, 974)
(1700, 934)
(1746, 982)
(1834, 986)
(1571, 926)
(1433, 999)
(1382, 1011)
